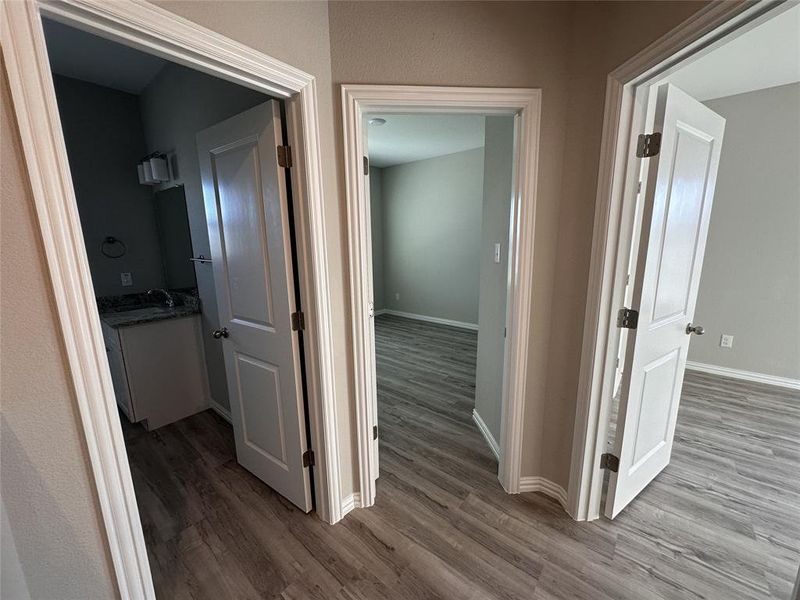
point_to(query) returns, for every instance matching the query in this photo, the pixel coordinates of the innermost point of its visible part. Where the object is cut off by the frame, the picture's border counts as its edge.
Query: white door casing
(249, 230)
(679, 195)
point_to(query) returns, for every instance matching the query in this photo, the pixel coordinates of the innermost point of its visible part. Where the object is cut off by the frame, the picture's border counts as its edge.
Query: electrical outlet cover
(726, 341)
(126, 279)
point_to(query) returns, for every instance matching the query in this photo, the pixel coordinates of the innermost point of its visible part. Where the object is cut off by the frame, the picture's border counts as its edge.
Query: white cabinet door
(679, 193)
(119, 377)
(249, 230)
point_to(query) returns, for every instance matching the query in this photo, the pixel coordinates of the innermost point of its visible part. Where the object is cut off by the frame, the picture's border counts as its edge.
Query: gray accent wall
(431, 236)
(376, 217)
(750, 286)
(496, 216)
(105, 141)
(177, 104)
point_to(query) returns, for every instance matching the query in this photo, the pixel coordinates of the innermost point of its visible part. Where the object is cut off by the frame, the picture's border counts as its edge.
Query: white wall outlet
(126, 279)
(497, 253)
(397, 295)
(726, 341)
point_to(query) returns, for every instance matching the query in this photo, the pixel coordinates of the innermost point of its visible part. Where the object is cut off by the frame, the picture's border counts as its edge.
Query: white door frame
(146, 27)
(525, 105)
(619, 173)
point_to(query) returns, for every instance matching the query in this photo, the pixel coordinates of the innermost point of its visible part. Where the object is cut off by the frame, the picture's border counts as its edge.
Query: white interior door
(248, 225)
(679, 193)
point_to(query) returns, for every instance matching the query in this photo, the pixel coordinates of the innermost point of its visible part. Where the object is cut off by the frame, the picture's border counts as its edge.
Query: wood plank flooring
(723, 521)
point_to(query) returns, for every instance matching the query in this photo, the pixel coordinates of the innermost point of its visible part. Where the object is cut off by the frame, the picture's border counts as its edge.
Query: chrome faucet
(167, 296)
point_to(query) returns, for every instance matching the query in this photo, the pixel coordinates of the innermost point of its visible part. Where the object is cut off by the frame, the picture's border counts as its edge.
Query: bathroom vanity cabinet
(157, 368)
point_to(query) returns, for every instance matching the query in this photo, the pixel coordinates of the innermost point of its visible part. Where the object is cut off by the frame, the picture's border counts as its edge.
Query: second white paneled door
(679, 193)
(249, 229)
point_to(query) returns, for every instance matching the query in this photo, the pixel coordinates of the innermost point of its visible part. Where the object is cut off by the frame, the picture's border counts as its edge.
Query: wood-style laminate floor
(722, 521)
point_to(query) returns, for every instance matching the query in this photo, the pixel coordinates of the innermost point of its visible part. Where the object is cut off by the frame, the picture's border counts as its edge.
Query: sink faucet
(167, 296)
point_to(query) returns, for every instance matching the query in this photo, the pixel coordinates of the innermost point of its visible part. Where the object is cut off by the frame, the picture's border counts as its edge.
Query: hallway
(443, 528)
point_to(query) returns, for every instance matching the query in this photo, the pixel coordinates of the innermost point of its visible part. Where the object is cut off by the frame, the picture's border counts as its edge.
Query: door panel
(262, 421)
(243, 233)
(679, 193)
(683, 210)
(248, 226)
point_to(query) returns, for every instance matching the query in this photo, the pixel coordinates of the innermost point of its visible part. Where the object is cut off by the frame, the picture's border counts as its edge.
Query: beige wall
(750, 287)
(46, 481)
(565, 49)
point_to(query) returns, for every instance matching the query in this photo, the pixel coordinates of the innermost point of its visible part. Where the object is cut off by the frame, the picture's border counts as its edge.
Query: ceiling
(766, 56)
(406, 138)
(80, 55)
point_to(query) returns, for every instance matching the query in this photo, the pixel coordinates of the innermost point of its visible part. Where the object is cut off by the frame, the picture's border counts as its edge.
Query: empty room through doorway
(440, 203)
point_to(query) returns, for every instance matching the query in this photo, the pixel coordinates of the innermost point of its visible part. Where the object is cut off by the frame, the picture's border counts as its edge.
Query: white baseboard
(451, 323)
(350, 502)
(380, 311)
(487, 435)
(546, 487)
(784, 382)
(220, 410)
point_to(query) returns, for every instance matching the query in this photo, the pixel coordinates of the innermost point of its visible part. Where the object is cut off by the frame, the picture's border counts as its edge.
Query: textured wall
(47, 485)
(750, 285)
(495, 223)
(431, 236)
(105, 141)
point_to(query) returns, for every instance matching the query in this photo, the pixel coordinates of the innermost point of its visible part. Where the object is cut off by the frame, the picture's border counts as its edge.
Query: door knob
(695, 329)
(220, 333)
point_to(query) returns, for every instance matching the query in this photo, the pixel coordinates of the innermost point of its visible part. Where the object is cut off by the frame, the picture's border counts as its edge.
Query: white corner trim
(525, 106)
(350, 502)
(784, 382)
(146, 27)
(220, 410)
(437, 320)
(546, 487)
(487, 435)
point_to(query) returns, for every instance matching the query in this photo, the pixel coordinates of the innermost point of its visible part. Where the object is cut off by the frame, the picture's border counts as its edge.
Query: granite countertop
(146, 314)
(137, 309)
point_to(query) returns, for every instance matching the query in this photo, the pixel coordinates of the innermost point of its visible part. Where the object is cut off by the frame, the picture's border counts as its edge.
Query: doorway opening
(419, 294)
(440, 190)
(698, 398)
(130, 124)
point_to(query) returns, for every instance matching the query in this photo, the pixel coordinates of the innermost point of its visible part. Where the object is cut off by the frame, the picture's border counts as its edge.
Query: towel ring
(111, 242)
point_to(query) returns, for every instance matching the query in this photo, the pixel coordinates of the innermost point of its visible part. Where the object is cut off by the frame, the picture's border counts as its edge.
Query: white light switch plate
(726, 341)
(497, 253)
(126, 279)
